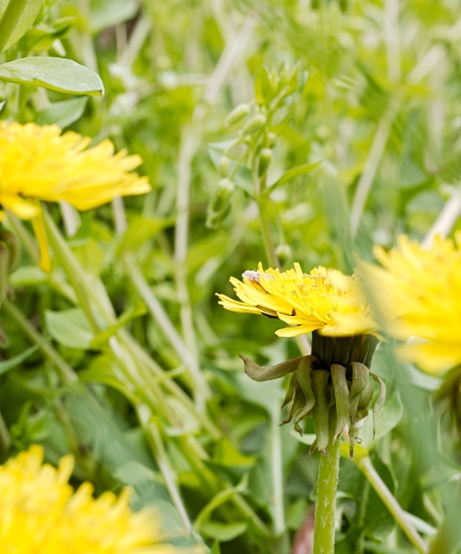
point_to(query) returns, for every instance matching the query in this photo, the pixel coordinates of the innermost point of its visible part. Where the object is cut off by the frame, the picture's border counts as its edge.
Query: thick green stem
(391, 503)
(324, 530)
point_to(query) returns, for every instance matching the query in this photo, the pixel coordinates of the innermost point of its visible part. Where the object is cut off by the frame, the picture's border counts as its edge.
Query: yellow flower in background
(41, 514)
(419, 292)
(324, 300)
(40, 163)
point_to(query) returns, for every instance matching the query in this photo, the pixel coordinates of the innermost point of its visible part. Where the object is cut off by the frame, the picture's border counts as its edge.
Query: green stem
(366, 467)
(169, 475)
(261, 199)
(67, 373)
(324, 530)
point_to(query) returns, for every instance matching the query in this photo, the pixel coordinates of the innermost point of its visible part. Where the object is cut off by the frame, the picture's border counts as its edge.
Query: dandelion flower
(41, 514)
(40, 163)
(333, 383)
(419, 292)
(324, 300)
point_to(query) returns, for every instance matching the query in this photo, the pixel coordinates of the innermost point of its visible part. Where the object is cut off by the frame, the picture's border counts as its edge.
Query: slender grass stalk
(365, 465)
(235, 48)
(325, 508)
(169, 475)
(371, 165)
(66, 372)
(446, 219)
(392, 36)
(5, 437)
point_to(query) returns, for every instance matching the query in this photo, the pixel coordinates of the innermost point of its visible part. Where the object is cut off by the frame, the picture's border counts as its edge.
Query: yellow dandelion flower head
(324, 300)
(41, 513)
(419, 292)
(40, 163)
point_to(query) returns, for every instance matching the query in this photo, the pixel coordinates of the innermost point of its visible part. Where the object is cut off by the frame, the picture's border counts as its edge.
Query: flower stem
(366, 467)
(324, 530)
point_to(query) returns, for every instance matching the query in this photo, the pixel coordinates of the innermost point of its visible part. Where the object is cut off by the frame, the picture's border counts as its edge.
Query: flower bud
(224, 166)
(219, 203)
(271, 138)
(255, 123)
(237, 114)
(283, 253)
(265, 158)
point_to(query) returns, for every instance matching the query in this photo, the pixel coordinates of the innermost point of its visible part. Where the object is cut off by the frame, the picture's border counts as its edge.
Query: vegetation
(273, 132)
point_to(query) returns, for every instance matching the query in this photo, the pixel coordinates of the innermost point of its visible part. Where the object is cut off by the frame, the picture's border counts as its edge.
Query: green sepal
(359, 382)
(304, 375)
(320, 412)
(380, 399)
(341, 394)
(366, 397)
(290, 394)
(267, 373)
(296, 405)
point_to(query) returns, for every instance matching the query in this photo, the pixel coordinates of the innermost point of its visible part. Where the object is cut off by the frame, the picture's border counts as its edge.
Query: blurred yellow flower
(41, 514)
(325, 300)
(419, 292)
(40, 163)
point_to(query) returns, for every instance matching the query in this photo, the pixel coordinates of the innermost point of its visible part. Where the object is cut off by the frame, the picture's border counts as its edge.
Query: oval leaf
(62, 113)
(57, 74)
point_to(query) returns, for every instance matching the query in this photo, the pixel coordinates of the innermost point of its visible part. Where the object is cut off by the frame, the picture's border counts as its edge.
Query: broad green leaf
(58, 74)
(17, 16)
(69, 328)
(62, 113)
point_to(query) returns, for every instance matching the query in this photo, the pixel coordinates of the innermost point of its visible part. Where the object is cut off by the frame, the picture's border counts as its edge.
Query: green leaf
(223, 532)
(69, 328)
(17, 360)
(140, 230)
(109, 13)
(101, 371)
(57, 74)
(131, 313)
(17, 16)
(62, 113)
(291, 174)
(263, 92)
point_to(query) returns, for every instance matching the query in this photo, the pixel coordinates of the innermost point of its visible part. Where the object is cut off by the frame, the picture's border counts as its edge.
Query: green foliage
(272, 132)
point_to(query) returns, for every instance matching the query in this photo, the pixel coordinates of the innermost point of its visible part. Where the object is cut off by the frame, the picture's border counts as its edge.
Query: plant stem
(377, 149)
(278, 510)
(169, 475)
(261, 199)
(324, 530)
(366, 467)
(67, 373)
